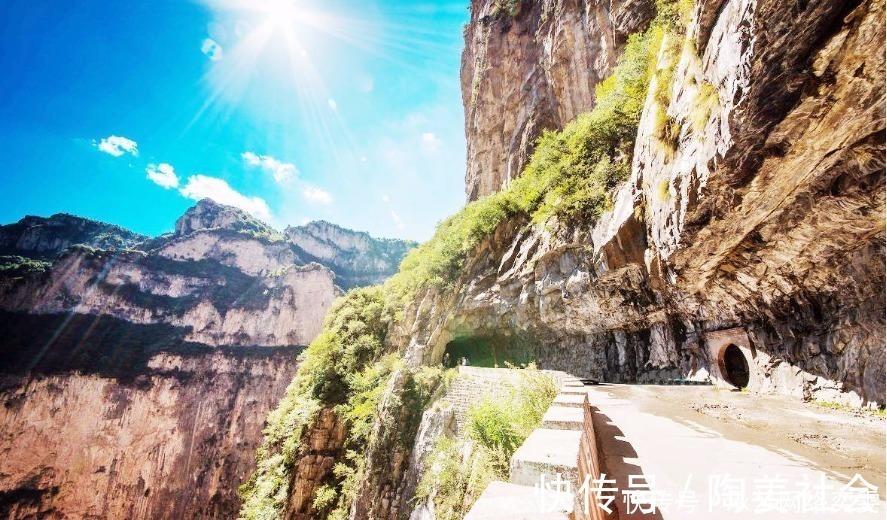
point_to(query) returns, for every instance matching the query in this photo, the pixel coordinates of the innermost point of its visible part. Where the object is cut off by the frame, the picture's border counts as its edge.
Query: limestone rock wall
(136, 377)
(532, 65)
(324, 445)
(43, 237)
(219, 306)
(765, 213)
(174, 444)
(357, 258)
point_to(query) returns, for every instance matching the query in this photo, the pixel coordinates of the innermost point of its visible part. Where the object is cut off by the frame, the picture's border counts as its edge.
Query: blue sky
(343, 110)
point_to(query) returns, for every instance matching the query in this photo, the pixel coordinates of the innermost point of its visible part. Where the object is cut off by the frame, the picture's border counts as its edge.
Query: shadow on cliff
(50, 344)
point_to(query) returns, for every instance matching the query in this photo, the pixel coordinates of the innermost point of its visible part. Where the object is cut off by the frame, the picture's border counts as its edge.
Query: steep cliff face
(761, 209)
(530, 66)
(228, 285)
(44, 237)
(174, 444)
(357, 258)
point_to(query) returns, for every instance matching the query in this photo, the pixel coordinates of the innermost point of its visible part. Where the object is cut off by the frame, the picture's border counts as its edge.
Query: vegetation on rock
(14, 265)
(460, 469)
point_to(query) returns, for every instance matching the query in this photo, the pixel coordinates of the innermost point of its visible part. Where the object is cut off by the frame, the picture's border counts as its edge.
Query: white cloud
(397, 220)
(386, 199)
(203, 187)
(283, 172)
(117, 146)
(316, 195)
(163, 175)
(431, 143)
(332, 103)
(212, 49)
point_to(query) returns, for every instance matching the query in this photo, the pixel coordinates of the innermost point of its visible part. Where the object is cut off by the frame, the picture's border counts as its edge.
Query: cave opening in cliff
(490, 350)
(734, 366)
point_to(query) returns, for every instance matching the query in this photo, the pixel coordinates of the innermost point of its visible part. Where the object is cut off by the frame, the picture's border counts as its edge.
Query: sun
(281, 13)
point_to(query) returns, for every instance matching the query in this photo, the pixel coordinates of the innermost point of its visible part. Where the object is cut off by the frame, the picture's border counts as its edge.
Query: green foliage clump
(460, 469)
(504, 8)
(353, 336)
(502, 424)
(336, 369)
(674, 14)
(457, 474)
(372, 428)
(663, 190)
(346, 369)
(15, 266)
(706, 102)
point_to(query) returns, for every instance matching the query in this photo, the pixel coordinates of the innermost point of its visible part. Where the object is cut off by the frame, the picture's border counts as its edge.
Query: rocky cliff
(530, 66)
(174, 443)
(43, 237)
(357, 258)
(144, 368)
(763, 209)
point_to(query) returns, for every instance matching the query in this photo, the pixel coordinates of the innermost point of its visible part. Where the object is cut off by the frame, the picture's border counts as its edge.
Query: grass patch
(829, 405)
(706, 103)
(663, 190)
(460, 469)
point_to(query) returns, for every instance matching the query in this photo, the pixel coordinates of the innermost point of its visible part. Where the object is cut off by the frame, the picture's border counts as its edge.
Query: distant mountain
(41, 237)
(32, 243)
(357, 258)
(210, 231)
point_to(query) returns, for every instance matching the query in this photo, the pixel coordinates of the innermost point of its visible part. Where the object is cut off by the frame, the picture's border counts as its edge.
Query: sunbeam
(278, 50)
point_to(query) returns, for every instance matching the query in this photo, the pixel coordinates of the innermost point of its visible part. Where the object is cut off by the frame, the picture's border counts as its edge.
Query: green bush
(342, 366)
(455, 477)
(15, 266)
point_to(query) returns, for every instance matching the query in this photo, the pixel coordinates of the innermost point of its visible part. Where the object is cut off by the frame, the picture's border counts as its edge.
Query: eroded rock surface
(357, 258)
(138, 372)
(176, 443)
(766, 214)
(529, 66)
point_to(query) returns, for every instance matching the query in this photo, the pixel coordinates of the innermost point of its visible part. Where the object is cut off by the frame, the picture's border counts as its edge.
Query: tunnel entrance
(489, 351)
(735, 367)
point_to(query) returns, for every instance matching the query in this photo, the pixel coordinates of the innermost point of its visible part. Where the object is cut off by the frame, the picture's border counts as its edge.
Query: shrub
(15, 266)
